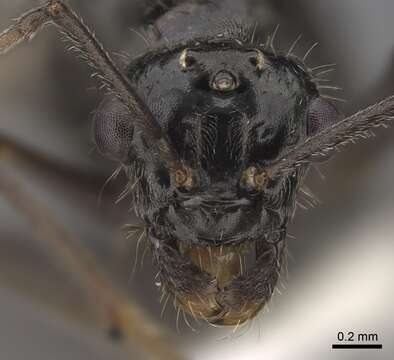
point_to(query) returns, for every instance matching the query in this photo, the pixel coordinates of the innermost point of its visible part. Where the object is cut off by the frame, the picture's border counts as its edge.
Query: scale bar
(357, 346)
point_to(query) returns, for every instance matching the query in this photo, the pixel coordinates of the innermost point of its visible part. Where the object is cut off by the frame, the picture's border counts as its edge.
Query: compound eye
(113, 130)
(258, 60)
(254, 179)
(183, 177)
(321, 115)
(186, 60)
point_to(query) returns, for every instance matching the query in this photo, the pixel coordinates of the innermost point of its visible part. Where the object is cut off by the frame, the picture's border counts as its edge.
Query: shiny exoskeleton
(215, 132)
(229, 106)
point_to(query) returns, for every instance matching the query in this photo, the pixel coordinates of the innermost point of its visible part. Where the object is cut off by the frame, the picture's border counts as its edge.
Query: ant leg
(124, 317)
(19, 154)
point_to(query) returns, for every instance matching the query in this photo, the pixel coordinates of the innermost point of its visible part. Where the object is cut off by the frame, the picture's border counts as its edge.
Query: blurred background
(340, 275)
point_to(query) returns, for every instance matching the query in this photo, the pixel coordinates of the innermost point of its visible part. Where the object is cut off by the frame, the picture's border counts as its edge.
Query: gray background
(341, 278)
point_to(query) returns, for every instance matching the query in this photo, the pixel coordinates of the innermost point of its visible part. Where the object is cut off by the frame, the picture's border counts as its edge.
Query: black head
(228, 109)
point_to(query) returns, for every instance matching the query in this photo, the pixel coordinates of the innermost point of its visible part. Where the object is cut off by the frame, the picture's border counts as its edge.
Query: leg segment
(124, 317)
(16, 153)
